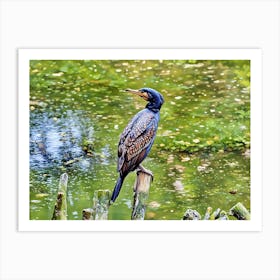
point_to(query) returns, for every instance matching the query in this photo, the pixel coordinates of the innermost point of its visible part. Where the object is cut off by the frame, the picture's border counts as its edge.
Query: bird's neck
(153, 107)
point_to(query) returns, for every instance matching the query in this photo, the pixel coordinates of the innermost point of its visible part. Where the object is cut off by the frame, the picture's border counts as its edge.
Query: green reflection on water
(198, 156)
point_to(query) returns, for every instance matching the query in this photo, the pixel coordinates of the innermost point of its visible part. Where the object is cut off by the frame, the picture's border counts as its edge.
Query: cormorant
(138, 137)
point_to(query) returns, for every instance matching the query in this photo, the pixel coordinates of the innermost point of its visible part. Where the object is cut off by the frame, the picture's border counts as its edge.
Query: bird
(138, 137)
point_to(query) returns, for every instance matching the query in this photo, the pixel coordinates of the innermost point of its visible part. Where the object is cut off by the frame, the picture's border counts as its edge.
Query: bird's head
(154, 98)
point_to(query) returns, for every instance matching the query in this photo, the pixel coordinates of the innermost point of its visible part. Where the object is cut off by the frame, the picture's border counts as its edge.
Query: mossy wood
(223, 216)
(141, 194)
(240, 212)
(100, 206)
(191, 214)
(216, 214)
(208, 213)
(60, 208)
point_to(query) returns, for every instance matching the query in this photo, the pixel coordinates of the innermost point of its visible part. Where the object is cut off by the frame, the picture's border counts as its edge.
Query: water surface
(200, 157)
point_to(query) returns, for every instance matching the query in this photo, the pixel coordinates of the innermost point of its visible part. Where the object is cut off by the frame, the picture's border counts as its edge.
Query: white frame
(139, 24)
(254, 55)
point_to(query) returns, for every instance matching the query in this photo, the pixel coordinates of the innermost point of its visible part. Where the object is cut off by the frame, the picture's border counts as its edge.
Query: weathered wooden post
(240, 212)
(100, 206)
(141, 193)
(223, 215)
(60, 208)
(191, 214)
(208, 213)
(215, 215)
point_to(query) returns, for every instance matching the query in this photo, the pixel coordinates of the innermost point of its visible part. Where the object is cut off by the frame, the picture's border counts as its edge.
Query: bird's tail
(117, 189)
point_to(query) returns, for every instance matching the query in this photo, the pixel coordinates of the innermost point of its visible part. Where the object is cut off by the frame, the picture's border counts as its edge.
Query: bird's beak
(144, 95)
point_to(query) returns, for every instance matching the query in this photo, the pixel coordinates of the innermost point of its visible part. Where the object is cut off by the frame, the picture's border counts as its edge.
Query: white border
(25, 55)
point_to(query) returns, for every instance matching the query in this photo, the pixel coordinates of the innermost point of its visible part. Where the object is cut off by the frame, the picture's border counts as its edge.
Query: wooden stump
(216, 214)
(60, 208)
(141, 193)
(223, 216)
(208, 213)
(191, 214)
(100, 206)
(240, 212)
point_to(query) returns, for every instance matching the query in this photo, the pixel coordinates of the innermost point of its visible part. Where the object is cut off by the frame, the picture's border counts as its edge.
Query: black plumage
(138, 137)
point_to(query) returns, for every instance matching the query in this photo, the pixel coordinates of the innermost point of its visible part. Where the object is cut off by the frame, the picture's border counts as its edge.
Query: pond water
(200, 157)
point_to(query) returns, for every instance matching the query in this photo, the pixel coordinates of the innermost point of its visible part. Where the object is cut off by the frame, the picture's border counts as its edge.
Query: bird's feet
(143, 169)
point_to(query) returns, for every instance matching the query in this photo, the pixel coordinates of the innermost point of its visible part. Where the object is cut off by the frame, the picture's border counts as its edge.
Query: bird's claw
(144, 170)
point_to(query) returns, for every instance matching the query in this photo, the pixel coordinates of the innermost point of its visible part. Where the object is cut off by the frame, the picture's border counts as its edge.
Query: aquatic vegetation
(200, 156)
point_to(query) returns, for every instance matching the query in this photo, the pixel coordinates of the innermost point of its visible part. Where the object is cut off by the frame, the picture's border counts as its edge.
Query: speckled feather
(136, 140)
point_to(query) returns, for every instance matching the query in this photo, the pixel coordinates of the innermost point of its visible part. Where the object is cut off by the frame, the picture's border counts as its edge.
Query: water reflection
(55, 141)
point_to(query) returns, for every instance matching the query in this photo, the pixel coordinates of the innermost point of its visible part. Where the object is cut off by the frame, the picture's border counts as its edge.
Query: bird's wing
(140, 140)
(136, 140)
